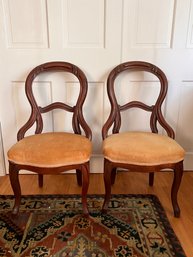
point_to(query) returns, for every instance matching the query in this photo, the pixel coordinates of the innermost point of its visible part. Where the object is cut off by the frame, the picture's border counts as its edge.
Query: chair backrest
(78, 121)
(114, 119)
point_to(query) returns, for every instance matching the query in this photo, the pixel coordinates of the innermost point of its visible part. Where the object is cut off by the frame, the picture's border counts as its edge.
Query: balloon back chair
(52, 152)
(140, 151)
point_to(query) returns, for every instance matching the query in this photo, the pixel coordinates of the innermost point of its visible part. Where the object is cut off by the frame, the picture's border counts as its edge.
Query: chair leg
(85, 184)
(14, 180)
(113, 176)
(79, 177)
(178, 172)
(107, 181)
(40, 180)
(151, 178)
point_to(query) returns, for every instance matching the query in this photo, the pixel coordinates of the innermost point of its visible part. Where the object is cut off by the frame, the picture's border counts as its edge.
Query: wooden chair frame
(114, 121)
(78, 122)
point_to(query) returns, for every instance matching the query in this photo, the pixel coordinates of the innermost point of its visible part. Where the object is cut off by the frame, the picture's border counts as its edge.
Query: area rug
(54, 226)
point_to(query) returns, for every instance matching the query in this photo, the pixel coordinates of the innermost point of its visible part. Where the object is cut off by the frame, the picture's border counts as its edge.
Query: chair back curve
(114, 119)
(78, 121)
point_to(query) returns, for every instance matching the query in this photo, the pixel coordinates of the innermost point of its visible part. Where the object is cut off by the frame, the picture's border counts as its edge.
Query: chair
(52, 152)
(141, 151)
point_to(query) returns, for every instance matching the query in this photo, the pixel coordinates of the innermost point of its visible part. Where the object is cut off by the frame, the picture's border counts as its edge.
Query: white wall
(96, 35)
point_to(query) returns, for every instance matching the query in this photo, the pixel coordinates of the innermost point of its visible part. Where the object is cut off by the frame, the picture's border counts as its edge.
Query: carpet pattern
(53, 225)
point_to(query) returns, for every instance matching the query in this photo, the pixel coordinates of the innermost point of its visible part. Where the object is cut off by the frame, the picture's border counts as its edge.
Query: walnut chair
(52, 152)
(140, 151)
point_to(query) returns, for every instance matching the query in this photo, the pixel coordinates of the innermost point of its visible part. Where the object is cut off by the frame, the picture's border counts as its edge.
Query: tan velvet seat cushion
(51, 150)
(142, 148)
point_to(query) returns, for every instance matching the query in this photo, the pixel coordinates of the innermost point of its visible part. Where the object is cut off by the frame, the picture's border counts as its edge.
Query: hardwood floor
(126, 183)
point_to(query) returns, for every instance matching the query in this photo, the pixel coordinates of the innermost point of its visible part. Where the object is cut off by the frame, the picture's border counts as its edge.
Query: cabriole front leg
(14, 180)
(178, 172)
(107, 181)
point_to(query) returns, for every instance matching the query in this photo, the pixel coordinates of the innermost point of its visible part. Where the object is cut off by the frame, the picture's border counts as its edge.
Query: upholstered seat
(142, 148)
(51, 150)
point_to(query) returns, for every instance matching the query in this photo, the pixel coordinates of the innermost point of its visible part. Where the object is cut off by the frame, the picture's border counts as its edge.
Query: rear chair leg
(40, 180)
(79, 177)
(151, 178)
(113, 176)
(85, 183)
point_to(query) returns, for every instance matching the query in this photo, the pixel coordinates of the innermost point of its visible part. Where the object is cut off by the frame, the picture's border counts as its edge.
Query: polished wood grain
(126, 183)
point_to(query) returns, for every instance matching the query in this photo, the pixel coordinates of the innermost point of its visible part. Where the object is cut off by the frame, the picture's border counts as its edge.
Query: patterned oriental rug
(54, 226)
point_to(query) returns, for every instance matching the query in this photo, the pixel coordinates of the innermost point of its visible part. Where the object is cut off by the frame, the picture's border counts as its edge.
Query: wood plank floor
(126, 183)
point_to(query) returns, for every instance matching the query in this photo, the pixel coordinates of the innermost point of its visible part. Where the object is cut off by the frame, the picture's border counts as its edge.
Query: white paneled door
(95, 35)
